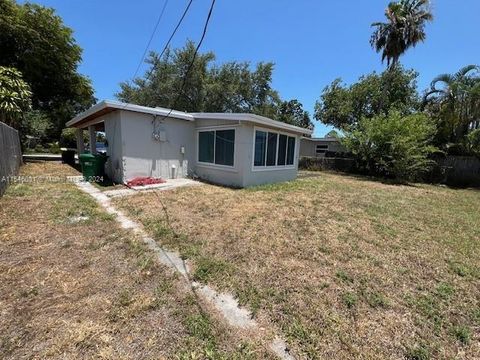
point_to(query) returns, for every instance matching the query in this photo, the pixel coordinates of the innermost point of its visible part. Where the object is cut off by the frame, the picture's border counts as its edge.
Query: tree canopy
(453, 101)
(34, 40)
(210, 87)
(405, 27)
(15, 96)
(375, 94)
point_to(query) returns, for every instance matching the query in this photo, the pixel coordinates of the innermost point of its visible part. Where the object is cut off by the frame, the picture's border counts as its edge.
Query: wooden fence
(10, 155)
(327, 163)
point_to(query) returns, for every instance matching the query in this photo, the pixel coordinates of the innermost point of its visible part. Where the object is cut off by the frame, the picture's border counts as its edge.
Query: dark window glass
(206, 141)
(272, 149)
(224, 147)
(291, 150)
(282, 149)
(260, 148)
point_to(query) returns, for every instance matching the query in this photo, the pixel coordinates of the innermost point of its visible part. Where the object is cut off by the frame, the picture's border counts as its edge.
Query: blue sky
(312, 42)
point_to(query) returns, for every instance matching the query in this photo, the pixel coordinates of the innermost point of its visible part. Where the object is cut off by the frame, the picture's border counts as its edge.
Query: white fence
(10, 155)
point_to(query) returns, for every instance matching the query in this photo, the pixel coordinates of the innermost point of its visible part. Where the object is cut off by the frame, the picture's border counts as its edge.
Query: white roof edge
(129, 107)
(321, 139)
(252, 118)
(186, 116)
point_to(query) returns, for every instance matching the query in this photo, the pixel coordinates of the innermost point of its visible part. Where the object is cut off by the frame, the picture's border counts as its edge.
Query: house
(320, 147)
(225, 148)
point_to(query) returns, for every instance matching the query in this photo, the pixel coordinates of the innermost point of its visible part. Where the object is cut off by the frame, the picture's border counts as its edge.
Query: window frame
(323, 148)
(276, 166)
(212, 164)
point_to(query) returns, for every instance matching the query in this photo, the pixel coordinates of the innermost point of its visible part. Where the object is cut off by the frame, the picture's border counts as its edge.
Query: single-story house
(318, 147)
(233, 149)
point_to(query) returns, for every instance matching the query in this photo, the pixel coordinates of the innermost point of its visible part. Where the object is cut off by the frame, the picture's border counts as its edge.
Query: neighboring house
(318, 147)
(231, 149)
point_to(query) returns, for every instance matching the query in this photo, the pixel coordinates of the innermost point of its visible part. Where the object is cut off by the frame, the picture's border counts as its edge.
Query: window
(321, 149)
(260, 148)
(216, 147)
(282, 150)
(273, 149)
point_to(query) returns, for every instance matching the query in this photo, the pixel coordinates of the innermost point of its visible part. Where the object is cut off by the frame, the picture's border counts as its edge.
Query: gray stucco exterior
(308, 146)
(144, 143)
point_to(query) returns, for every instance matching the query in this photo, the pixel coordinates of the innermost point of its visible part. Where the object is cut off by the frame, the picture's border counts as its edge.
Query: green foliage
(405, 28)
(453, 101)
(395, 146)
(372, 95)
(34, 40)
(68, 138)
(34, 127)
(14, 96)
(291, 112)
(229, 87)
(473, 141)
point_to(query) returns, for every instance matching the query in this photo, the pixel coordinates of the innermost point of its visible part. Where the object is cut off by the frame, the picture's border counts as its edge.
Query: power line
(190, 66)
(150, 40)
(176, 28)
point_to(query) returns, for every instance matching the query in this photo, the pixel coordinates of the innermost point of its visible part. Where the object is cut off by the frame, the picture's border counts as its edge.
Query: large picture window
(273, 149)
(216, 147)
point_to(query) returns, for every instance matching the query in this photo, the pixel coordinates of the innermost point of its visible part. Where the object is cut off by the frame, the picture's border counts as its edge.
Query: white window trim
(276, 167)
(213, 165)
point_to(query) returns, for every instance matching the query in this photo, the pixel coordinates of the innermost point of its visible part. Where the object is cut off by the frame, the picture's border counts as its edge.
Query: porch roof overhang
(94, 115)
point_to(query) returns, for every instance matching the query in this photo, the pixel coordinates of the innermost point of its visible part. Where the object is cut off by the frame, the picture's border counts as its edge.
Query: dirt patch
(343, 266)
(86, 288)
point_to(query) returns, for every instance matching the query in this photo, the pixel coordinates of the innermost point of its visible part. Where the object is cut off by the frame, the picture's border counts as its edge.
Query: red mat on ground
(142, 181)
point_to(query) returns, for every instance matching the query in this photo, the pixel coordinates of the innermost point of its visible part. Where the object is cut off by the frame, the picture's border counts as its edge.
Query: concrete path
(224, 303)
(170, 184)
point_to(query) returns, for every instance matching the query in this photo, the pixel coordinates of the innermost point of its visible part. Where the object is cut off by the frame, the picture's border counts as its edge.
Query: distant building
(320, 147)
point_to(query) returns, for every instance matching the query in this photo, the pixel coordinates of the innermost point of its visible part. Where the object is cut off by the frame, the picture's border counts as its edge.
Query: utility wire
(150, 40)
(190, 66)
(168, 42)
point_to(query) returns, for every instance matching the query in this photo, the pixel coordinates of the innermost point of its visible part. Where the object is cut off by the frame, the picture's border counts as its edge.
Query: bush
(69, 138)
(473, 141)
(394, 146)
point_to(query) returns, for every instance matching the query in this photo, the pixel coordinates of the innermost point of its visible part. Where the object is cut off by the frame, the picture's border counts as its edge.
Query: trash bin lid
(86, 156)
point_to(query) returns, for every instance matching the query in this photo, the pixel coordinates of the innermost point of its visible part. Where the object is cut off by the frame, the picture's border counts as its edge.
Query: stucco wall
(252, 176)
(229, 176)
(308, 147)
(113, 133)
(242, 174)
(145, 156)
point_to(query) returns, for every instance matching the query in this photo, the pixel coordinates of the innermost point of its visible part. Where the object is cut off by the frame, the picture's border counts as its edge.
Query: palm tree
(405, 28)
(457, 98)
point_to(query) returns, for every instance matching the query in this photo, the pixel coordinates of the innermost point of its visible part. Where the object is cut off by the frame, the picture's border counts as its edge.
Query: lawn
(341, 266)
(75, 285)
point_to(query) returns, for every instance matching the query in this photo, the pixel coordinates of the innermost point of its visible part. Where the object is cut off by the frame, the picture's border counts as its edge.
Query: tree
(209, 87)
(395, 146)
(291, 112)
(405, 28)
(333, 134)
(34, 40)
(454, 101)
(373, 94)
(15, 96)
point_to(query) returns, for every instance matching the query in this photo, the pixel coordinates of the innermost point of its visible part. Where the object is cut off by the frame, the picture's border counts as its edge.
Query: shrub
(394, 146)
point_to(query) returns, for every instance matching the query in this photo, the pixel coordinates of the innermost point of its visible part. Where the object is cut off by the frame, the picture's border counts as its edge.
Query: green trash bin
(93, 166)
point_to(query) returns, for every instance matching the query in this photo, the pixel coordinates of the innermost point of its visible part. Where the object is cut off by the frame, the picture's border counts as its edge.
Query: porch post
(80, 143)
(93, 139)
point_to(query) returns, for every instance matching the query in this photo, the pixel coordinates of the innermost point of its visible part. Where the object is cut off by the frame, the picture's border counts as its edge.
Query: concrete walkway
(170, 184)
(224, 303)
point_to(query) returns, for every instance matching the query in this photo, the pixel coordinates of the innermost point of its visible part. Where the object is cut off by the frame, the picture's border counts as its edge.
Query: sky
(311, 42)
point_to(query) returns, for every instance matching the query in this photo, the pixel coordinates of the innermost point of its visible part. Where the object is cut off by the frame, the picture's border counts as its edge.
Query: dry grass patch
(74, 285)
(343, 266)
